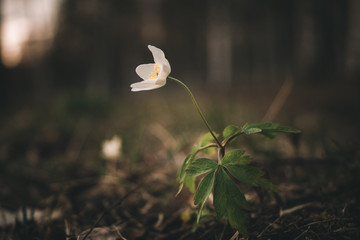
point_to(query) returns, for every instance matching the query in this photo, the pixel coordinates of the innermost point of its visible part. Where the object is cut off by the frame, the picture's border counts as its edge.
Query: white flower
(111, 149)
(153, 74)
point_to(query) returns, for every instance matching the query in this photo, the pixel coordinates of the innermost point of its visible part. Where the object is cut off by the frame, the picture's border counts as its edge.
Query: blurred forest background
(49, 46)
(66, 67)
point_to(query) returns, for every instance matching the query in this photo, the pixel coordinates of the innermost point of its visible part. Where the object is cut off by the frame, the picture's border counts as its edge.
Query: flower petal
(149, 82)
(159, 57)
(153, 74)
(146, 85)
(164, 73)
(144, 70)
(157, 53)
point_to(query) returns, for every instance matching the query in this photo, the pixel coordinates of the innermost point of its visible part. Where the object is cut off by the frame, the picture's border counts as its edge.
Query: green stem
(198, 109)
(224, 143)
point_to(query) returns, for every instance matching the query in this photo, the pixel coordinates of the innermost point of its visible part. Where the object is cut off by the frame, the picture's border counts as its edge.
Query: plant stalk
(198, 109)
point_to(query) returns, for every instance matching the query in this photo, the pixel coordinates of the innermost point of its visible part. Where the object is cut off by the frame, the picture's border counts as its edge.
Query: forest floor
(56, 184)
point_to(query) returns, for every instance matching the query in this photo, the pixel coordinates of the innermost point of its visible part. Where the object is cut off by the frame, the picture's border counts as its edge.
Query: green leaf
(267, 185)
(220, 194)
(253, 130)
(262, 126)
(200, 166)
(234, 156)
(246, 174)
(230, 131)
(204, 188)
(182, 177)
(286, 129)
(203, 191)
(267, 129)
(228, 199)
(233, 192)
(251, 176)
(226, 191)
(181, 186)
(190, 183)
(181, 171)
(207, 139)
(236, 218)
(243, 160)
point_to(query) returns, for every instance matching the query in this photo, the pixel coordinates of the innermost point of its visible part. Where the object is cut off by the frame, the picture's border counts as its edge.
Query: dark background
(97, 44)
(65, 74)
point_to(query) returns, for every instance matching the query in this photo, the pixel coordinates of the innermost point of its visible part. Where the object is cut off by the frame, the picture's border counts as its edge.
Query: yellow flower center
(156, 71)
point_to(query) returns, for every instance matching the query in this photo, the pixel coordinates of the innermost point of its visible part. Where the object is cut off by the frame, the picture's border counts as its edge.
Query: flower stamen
(156, 71)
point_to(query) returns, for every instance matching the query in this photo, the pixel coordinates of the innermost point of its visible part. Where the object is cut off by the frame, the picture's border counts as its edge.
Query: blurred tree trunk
(3, 96)
(332, 29)
(305, 39)
(352, 52)
(320, 39)
(151, 24)
(219, 45)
